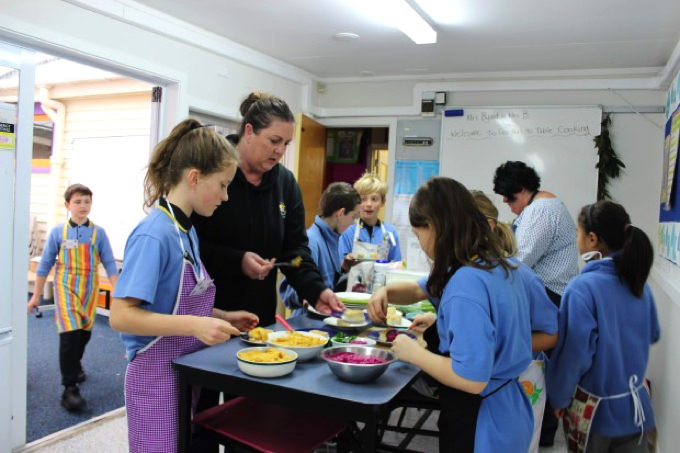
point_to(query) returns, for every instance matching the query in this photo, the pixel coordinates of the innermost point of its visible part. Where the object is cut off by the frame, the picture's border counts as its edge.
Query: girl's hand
(559, 413)
(243, 320)
(348, 262)
(213, 330)
(406, 348)
(256, 267)
(422, 322)
(377, 306)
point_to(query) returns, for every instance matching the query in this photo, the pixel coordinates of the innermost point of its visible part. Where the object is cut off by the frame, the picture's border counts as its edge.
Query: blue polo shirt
(152, 268)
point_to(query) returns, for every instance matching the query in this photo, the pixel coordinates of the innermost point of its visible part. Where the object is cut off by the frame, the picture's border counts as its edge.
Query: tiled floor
(109, 435)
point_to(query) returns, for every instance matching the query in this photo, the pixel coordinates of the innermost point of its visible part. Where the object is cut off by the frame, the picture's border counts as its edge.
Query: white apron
(533, 382)
(578, 419)
(360, 277)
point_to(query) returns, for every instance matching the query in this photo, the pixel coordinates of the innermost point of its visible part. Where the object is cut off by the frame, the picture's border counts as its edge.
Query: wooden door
(310, 163)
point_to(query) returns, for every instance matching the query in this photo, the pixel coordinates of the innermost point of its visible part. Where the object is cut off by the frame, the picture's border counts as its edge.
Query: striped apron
(151, 385)
(76, 282)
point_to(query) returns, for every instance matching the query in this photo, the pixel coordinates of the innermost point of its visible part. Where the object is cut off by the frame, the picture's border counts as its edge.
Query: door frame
(174, 106)
(16, 242)
(391, 124)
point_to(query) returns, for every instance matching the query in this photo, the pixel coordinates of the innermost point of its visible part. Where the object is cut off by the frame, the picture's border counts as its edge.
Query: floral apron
(151, 385)
(360, 277)
(76, 283)
(578, 418)
(533, 382)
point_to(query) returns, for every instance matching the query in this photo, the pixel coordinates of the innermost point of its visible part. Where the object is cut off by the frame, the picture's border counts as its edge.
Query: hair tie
(627, 227)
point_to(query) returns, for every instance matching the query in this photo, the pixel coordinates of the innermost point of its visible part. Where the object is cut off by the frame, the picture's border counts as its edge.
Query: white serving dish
(267, 369)
(304, 352)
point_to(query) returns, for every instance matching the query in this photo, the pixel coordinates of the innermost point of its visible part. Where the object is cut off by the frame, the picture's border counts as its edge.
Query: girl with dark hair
(163, 302)
(484, 305)
(607, 323)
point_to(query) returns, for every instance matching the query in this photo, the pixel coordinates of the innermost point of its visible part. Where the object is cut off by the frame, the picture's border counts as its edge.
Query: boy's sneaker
(71, 399)
(82, 377)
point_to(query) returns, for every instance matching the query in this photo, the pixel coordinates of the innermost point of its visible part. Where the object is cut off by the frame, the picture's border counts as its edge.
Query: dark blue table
(311, 386)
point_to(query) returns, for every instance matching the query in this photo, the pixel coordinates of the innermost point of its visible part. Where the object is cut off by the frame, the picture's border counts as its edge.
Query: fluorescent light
(442, 12)
(398, 13)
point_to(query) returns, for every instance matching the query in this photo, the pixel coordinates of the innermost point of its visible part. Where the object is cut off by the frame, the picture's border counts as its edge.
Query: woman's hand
(242, 320)
(377, 306)
(422, 322)
(406, 348)
(328, 302)
(212, 331)
(256, 267)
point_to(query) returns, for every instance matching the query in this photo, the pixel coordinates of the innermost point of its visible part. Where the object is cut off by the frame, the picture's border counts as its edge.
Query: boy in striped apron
(75, 248)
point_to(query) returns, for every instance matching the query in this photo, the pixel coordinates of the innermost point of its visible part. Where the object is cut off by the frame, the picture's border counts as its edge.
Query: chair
(267, 428)
(409, 398)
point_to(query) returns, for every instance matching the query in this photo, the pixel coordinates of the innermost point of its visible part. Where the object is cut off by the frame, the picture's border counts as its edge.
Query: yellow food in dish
(299, 339)
(259, 334)
(323, 333)
(269, 355)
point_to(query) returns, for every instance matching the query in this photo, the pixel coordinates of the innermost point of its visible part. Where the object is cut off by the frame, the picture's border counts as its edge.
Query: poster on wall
(408, 176)
(672, 158)
(668, 240)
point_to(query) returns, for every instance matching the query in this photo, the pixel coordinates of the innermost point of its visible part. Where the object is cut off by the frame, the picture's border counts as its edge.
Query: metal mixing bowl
(357, 372)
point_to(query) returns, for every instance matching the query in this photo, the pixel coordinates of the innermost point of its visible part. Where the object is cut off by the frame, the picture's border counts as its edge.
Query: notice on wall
(669, 241)
(672, 159)
(8, 121)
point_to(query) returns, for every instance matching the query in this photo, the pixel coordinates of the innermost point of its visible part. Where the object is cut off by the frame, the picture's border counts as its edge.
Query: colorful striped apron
(76, 283)
(151, 385)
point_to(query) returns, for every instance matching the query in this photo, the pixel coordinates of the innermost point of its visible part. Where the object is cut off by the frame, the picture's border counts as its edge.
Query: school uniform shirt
(268, 219)
(153, 265)
(483, 323)
(546, 242)
(605, 335)
(323, 243)
(543, 312)
(82, 233)
(376, 237)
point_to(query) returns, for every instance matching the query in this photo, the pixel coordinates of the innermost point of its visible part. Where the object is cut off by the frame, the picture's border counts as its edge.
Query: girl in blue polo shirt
(607, 323)
(484, 306)
(163, 302)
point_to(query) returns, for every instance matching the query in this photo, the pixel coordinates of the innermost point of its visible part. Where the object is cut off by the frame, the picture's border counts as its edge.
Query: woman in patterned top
(546, 240)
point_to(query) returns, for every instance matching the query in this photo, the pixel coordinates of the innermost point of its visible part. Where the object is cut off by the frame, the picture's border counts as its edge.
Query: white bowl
(267, 369)
(368, 342)
(303, 352)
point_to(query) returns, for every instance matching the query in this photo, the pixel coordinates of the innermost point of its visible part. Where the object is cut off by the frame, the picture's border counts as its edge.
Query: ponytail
(632, 250)
(501, 230)
(635, 260)
(189, 145)
(507, 238)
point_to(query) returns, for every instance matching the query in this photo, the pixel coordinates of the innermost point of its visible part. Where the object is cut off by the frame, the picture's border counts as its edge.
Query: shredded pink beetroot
(351, 357)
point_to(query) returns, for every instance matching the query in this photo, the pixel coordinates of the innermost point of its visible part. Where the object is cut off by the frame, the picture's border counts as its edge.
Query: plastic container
(380, 268)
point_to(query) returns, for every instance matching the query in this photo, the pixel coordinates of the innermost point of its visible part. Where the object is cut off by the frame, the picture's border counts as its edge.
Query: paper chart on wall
(669, 241)
(672, 157)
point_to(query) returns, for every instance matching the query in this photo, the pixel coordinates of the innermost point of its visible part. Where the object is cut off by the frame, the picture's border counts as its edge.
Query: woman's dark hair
(189, 145)
(633, 254)
(463, 235)
(260, 109)
(513, 176)
(338, 195)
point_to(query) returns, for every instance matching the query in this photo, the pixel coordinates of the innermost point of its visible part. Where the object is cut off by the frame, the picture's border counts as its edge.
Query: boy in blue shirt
(338, 208)
(77, 246)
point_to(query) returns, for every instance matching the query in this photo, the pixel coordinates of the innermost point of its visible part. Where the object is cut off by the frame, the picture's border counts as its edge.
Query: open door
(310, 163)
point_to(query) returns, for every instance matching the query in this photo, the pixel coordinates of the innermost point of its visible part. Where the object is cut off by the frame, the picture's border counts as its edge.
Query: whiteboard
(556, 141)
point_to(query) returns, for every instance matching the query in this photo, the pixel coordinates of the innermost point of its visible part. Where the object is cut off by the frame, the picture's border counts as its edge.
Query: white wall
(209, 81)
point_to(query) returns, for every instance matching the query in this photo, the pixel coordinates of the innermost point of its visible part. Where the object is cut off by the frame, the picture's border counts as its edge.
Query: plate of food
(396, 319)
(385, 336)
(353, 298)
(256, 337)
(350, 318)
(343, 339)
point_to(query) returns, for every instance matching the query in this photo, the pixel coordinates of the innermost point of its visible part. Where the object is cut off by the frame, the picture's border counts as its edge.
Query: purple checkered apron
(151, 383)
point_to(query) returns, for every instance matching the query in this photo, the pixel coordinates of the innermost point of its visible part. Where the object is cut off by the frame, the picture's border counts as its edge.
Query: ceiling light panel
(399, 14)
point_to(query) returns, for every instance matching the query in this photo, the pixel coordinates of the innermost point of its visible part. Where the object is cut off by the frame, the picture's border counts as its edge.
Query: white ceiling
(487, 36)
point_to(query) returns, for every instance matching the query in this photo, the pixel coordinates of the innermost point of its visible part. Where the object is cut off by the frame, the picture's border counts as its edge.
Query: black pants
(457, 420)
(550, 422)
(71, 349)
